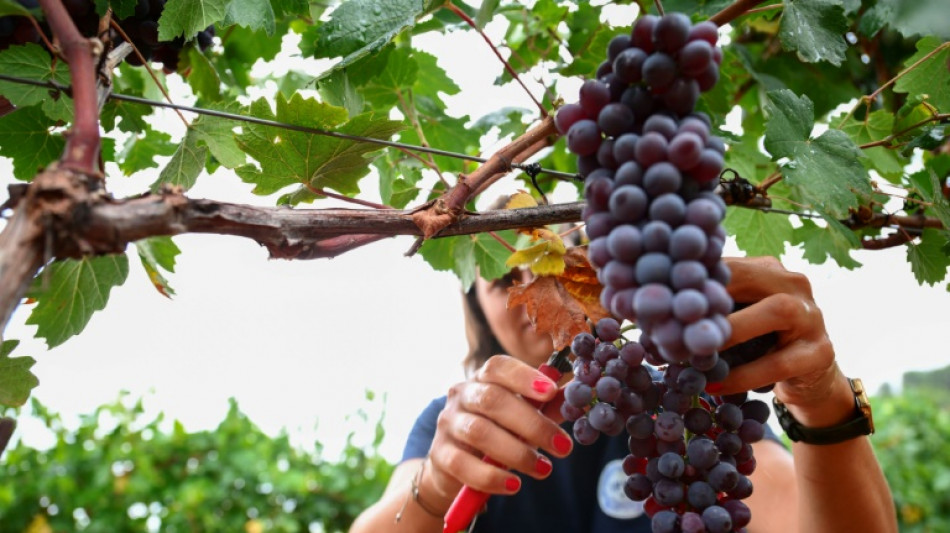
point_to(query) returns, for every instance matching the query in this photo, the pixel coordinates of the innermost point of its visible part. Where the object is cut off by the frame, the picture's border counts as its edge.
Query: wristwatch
(858, 425)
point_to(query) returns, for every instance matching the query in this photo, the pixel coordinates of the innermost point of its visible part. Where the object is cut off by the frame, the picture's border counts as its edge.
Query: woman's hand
(802, 365)
(491, 415)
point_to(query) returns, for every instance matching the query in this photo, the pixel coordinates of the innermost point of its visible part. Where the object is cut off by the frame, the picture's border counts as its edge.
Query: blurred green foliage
(121, 472)
(912, 443)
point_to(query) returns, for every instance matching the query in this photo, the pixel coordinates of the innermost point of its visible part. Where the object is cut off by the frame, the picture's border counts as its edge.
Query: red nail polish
(512, 484)
(562, 444)
(713, 388)
(542, 385)
(543, 465)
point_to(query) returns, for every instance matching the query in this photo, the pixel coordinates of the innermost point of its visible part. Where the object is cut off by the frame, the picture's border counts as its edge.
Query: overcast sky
(298, 343)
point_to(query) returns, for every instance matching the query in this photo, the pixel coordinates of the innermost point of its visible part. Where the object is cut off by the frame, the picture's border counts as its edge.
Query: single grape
(583, 137)
(625, 243)
(567, 115)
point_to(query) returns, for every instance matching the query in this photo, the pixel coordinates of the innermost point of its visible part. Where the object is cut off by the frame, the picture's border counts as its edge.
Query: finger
(511, 412)
(472, 471)
(795, 361)
(518, 377)
(755, 278)
(483, 434)
(778, 312)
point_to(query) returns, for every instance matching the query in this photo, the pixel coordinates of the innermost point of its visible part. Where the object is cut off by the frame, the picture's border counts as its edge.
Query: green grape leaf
(16, 380)
(446, 132)
(928, 259)
(815, 30)
(361, 27)
(398, 180)
(185, 18)
(157, 254)
(290, 7)
(824, 172)
(185, 165)
(12, 7)
(757, 232)
(25, 137)
(931, 78)
(431, 80)
(140, 151)
(920, 17)
(68, 292)
(386, 78)
(290, 157)
(32, 61)
(120, 8)
(508, 120)
(441, 256)
(463, 253)
(835, 240)
(703, 8)
(242, 50)
(252, 14)
(875, 127)
(202, 77)
(218, 135)
(491, 255)
(339, 90)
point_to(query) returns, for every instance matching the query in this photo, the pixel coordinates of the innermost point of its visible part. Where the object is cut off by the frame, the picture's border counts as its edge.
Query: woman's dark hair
(482, 342)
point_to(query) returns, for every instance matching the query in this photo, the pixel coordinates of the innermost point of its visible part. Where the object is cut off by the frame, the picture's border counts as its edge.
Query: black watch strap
(858, 425)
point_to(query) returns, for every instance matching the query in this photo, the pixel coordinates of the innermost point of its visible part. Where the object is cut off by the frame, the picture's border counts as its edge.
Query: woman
(835, 488)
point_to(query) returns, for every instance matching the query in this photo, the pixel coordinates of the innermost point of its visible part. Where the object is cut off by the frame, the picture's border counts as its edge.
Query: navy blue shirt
(583, 494)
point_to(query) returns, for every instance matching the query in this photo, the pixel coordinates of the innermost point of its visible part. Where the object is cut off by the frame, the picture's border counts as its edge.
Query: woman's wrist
(831, 405)
(428, 494)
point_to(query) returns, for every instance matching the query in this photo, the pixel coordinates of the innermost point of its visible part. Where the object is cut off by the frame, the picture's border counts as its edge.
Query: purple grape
(583, 137)
(625, 243)
(668, 426)
(594, 95)
(661, 178)
(578, 394)
(638, 487)
(628, 203)
(671, 32)
(567, 115)
(583, 345)
(651, 148)
(615, 119)
(717, 520)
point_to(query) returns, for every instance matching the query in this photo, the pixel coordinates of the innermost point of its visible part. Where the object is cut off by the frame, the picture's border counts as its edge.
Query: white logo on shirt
(613, 501)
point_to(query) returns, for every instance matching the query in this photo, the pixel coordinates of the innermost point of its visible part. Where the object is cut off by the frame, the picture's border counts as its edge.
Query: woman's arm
(397, 500)
(833, 488)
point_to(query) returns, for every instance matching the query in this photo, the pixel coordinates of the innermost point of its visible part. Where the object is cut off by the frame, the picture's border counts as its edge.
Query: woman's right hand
(490, 414)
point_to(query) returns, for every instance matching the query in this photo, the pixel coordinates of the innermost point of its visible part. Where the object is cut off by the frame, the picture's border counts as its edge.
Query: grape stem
(734, 11)
(138, 54)
(468, 20)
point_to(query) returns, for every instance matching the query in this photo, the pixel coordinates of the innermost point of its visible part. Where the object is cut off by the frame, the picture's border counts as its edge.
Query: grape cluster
(651, 165)
(142, 29)
(690, 455)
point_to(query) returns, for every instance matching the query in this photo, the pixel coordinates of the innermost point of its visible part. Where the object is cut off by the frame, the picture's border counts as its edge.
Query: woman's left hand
(802, 364)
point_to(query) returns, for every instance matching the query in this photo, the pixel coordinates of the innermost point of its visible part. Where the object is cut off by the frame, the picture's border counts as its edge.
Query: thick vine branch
(286, 233)
(448, 208)
(82, 141)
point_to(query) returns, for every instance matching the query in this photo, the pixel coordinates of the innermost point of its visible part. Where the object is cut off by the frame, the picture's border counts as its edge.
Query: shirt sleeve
(423, 431)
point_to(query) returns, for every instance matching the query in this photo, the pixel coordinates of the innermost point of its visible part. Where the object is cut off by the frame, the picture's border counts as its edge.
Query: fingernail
(543, 465)
(713, 388)
(562, 444)
(512, 484)
(542, 385)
